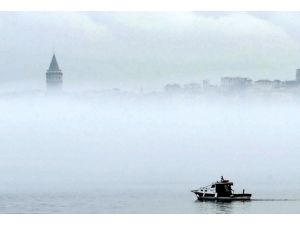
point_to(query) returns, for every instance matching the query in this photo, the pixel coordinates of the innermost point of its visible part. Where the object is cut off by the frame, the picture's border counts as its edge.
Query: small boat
(220, 191)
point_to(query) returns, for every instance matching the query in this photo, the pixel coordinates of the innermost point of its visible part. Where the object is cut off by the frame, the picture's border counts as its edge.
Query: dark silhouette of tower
(54, 76)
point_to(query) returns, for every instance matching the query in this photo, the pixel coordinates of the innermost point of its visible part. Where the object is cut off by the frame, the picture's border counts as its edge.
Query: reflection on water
(215, 206)
(223, 207)
(253, 206)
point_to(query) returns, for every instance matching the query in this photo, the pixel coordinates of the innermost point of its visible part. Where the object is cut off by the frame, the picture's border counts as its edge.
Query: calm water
(144, 199)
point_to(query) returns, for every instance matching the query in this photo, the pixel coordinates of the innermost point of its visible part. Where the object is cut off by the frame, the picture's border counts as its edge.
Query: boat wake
(274, 199)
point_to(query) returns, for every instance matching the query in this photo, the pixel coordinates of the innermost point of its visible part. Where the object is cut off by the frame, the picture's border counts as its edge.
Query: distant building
(264, 82)
(205, 84)
(192, 87)
(291, 83)
(172, 88)
(235, 82)
(298, 75)
(277, 83)
(54, 76)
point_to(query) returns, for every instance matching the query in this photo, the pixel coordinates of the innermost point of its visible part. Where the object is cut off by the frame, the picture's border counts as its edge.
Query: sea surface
(91, 155)
(157, 199)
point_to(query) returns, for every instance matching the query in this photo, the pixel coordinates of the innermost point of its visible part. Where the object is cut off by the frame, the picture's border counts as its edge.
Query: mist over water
(135, 109)
(125, 145)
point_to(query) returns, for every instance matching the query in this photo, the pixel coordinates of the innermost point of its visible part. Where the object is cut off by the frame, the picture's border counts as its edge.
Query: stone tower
(54, 76)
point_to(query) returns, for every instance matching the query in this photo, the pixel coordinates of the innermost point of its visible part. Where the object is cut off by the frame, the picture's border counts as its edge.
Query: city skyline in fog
(147, 50)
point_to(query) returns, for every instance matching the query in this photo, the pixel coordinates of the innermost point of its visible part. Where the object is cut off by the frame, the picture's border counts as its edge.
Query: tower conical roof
(53, 65)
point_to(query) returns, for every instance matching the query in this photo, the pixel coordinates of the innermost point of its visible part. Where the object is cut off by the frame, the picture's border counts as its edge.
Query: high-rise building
(298, 75)
(54, 76)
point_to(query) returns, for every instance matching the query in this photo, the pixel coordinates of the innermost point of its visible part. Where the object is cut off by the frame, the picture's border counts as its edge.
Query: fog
(72, 142)
(148, 49)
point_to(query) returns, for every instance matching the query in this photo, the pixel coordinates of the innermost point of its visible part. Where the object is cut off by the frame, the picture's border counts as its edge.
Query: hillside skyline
(134, 50)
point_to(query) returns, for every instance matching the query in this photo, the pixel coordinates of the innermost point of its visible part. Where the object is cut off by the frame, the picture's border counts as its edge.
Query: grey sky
(134, 50)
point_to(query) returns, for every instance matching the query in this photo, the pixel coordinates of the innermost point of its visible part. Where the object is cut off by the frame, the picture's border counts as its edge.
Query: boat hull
(234, 197)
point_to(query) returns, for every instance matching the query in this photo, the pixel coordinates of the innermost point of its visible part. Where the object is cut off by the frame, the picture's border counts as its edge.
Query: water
(96, 156)
(142, 199)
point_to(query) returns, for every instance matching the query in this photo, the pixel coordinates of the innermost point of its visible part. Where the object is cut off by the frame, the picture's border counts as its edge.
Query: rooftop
(53, 65)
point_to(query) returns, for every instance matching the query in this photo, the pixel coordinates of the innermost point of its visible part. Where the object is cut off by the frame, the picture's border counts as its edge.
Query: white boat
(220, 191)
